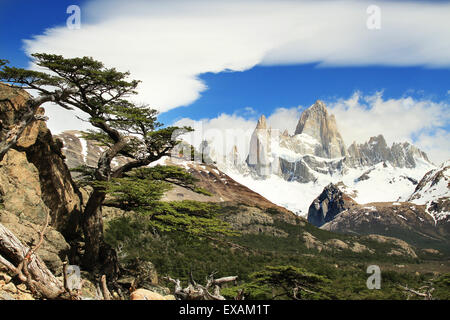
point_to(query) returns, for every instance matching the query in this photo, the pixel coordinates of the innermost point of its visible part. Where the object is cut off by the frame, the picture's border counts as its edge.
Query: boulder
(143, 294)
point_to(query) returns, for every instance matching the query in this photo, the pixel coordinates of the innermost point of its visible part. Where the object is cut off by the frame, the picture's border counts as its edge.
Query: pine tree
(287, 281)
(123, 129)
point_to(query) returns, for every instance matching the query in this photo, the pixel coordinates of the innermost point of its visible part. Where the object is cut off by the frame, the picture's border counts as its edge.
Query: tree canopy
(122, 128)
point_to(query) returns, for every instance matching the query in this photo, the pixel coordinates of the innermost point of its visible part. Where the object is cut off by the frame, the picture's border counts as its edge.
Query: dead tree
(24, 263)
(195, 291)
(426, 295)
(28, 267)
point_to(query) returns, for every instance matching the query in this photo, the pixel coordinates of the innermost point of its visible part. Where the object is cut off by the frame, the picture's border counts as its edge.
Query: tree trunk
(98, 256)
(12, 255)
(92, 224)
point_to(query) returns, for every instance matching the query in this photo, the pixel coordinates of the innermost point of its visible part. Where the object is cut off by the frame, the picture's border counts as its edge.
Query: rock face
(79, 152)
(376, 150)
(317, 123)
(260, 148)
(331, 202)
(42, 151)
(34, 180)
(24, 209)
(11, 102)
(317, 148)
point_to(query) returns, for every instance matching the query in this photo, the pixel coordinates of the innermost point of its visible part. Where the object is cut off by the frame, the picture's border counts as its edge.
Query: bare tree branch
(195, 291)
(105, 291)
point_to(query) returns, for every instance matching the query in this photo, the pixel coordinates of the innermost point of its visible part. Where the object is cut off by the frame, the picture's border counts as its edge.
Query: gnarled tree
(122, 127)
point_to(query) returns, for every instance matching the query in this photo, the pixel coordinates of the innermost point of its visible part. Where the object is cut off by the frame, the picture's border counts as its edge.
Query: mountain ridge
(316, 155)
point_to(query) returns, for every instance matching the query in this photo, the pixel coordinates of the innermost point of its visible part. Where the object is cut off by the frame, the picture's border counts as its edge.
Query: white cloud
(224, 132)
(285, 119)
(436, 145)
(421, 122)
(168, 44)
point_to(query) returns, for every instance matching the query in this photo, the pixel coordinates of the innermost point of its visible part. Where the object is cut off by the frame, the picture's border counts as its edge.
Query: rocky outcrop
(143, 294)
(34, 180)
(252, 220)
(376, 150)
(312, 242)
(317, 123)
(401, 247)
(260, 148)
(331, 202)
(39, 149)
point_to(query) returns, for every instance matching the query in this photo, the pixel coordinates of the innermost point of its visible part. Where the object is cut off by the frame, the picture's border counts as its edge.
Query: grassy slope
(174, 255)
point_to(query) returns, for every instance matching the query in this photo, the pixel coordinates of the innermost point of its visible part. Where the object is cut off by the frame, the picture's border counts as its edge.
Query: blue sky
(235, 75)
(265, 88)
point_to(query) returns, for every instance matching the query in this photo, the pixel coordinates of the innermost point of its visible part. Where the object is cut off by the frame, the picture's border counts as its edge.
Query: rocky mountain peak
(319, 124)
(262, 123)
(402, 155)
(378, 141)
(320, 106)
(328, 205)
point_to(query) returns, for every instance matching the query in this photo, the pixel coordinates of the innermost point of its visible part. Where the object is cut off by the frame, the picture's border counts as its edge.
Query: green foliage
(252, 256)
(442, 286)
(142, 188)
(195, 219)
(190, 220)
(287, 282)
(86, 175)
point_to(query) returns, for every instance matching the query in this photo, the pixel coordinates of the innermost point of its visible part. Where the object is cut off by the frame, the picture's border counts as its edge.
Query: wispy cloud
(168, 44)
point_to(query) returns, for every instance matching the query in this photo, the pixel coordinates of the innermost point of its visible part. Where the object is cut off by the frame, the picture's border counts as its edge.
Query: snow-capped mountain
(291, 170)
(334, 210)
(433, 191)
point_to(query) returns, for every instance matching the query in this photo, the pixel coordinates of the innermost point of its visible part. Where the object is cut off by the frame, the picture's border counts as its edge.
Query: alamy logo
(374, 281)
(73, 277)
(374, 19)
(74, 20)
